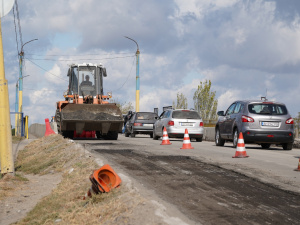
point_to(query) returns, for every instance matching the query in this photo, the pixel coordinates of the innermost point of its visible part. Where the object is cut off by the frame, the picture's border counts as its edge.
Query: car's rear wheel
(265, 146)
(151, 135)
(235, 137)
(287, 146)
(199, 139)
(218, 140)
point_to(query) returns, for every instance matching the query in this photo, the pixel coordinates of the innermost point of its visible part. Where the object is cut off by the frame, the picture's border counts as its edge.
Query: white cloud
(243, 47)
(56, 71)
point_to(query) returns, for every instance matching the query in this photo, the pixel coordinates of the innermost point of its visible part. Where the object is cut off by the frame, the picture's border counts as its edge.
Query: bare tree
(205, 102)
(124, 107)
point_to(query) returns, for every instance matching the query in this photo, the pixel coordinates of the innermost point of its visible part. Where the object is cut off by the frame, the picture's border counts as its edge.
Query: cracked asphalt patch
(207, 193)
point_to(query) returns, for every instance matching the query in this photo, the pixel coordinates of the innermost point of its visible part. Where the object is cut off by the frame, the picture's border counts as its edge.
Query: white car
(176, 121)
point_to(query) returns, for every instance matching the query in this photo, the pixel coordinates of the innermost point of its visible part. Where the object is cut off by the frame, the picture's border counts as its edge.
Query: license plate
(147, 125)
(270, 124)
(187, 124)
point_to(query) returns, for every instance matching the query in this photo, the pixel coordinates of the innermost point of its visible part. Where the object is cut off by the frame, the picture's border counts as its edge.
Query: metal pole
(21, 56)
(137, 95)
(26, 126)
(6, 156)
(16, 108)
(137, 92)
(20, 101)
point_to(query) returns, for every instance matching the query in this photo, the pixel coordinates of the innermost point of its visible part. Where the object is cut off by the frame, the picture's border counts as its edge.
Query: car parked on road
(140, 123)
(176, 121)
(261, 121)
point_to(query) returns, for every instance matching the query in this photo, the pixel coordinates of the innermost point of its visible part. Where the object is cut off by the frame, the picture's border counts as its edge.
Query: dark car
(140, 123)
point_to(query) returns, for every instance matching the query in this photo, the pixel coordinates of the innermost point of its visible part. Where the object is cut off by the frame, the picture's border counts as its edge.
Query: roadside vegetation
(16, 139)
(205, 103)
(67, 204)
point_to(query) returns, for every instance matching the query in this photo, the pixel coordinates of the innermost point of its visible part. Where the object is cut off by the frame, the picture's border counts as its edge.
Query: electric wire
(126, 78)
(46, 70)
(16, 30)
(82, 59)
(52, 90)
(121, 53)
(19, 24)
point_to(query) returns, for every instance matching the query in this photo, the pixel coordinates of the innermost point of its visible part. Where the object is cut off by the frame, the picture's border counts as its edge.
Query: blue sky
(246, 48)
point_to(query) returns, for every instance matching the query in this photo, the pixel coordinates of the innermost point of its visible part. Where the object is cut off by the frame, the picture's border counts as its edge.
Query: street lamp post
(17, 124)
(137, 93)
(20, 100)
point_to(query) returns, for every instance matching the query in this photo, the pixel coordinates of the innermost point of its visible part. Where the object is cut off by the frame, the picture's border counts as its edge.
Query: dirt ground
(151, 210)
(171, 190)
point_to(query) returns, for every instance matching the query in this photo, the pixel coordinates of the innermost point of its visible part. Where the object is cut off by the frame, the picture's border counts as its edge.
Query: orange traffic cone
(48, 128)
(165, 139)
(186, 141)
(104, 179)
(240, 148)
(298, 169)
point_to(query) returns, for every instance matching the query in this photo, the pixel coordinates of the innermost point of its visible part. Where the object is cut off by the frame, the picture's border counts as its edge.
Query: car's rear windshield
(145, 116)
(185, 114)
(268, 109)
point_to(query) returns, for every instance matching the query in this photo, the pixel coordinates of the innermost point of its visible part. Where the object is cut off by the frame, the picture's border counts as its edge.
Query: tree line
(204, 102)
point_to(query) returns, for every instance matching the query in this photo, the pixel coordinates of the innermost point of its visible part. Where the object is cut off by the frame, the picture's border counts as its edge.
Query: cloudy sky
(247, 48)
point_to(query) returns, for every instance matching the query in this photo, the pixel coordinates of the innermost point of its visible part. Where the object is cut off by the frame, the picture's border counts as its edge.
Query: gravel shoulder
(148, 208)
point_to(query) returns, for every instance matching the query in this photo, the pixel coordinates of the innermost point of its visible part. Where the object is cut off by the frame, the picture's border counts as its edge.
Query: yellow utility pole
(6, 156)
(26, 126)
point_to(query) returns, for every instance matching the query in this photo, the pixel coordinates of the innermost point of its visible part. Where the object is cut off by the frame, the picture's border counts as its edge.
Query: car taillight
(289, 121)
(201, 124)
(247, 119)
(137, 124)
(171, 123)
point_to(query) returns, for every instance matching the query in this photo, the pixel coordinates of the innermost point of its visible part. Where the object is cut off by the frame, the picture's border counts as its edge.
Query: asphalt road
(207, 184)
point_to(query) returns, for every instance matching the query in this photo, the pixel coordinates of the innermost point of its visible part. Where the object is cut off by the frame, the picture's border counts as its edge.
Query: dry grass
(9, 184)
(16, 139)
(54, 154)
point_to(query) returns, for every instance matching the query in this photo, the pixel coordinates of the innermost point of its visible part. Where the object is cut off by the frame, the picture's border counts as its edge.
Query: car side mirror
(220, 113)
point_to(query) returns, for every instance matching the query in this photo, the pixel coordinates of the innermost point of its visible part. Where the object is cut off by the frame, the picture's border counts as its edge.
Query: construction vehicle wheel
(98, 134)
(68, 134)
(111, 135)
(58, 121)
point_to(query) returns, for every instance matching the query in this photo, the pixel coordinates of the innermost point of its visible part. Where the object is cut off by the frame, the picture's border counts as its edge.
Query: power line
(121, 53)
(82, 59)
(126, 78)
(18, 17)
(16, 30)
(53, 90)
(46, 70)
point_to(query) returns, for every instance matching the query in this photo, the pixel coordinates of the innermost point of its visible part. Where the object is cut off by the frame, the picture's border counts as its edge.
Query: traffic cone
(48, 128)
(165, 139)
(240, 148)
(104, 179)
(186, 141)
(298, 169)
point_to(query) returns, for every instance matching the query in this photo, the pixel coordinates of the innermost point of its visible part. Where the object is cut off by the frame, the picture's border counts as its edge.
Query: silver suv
(262, 122)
